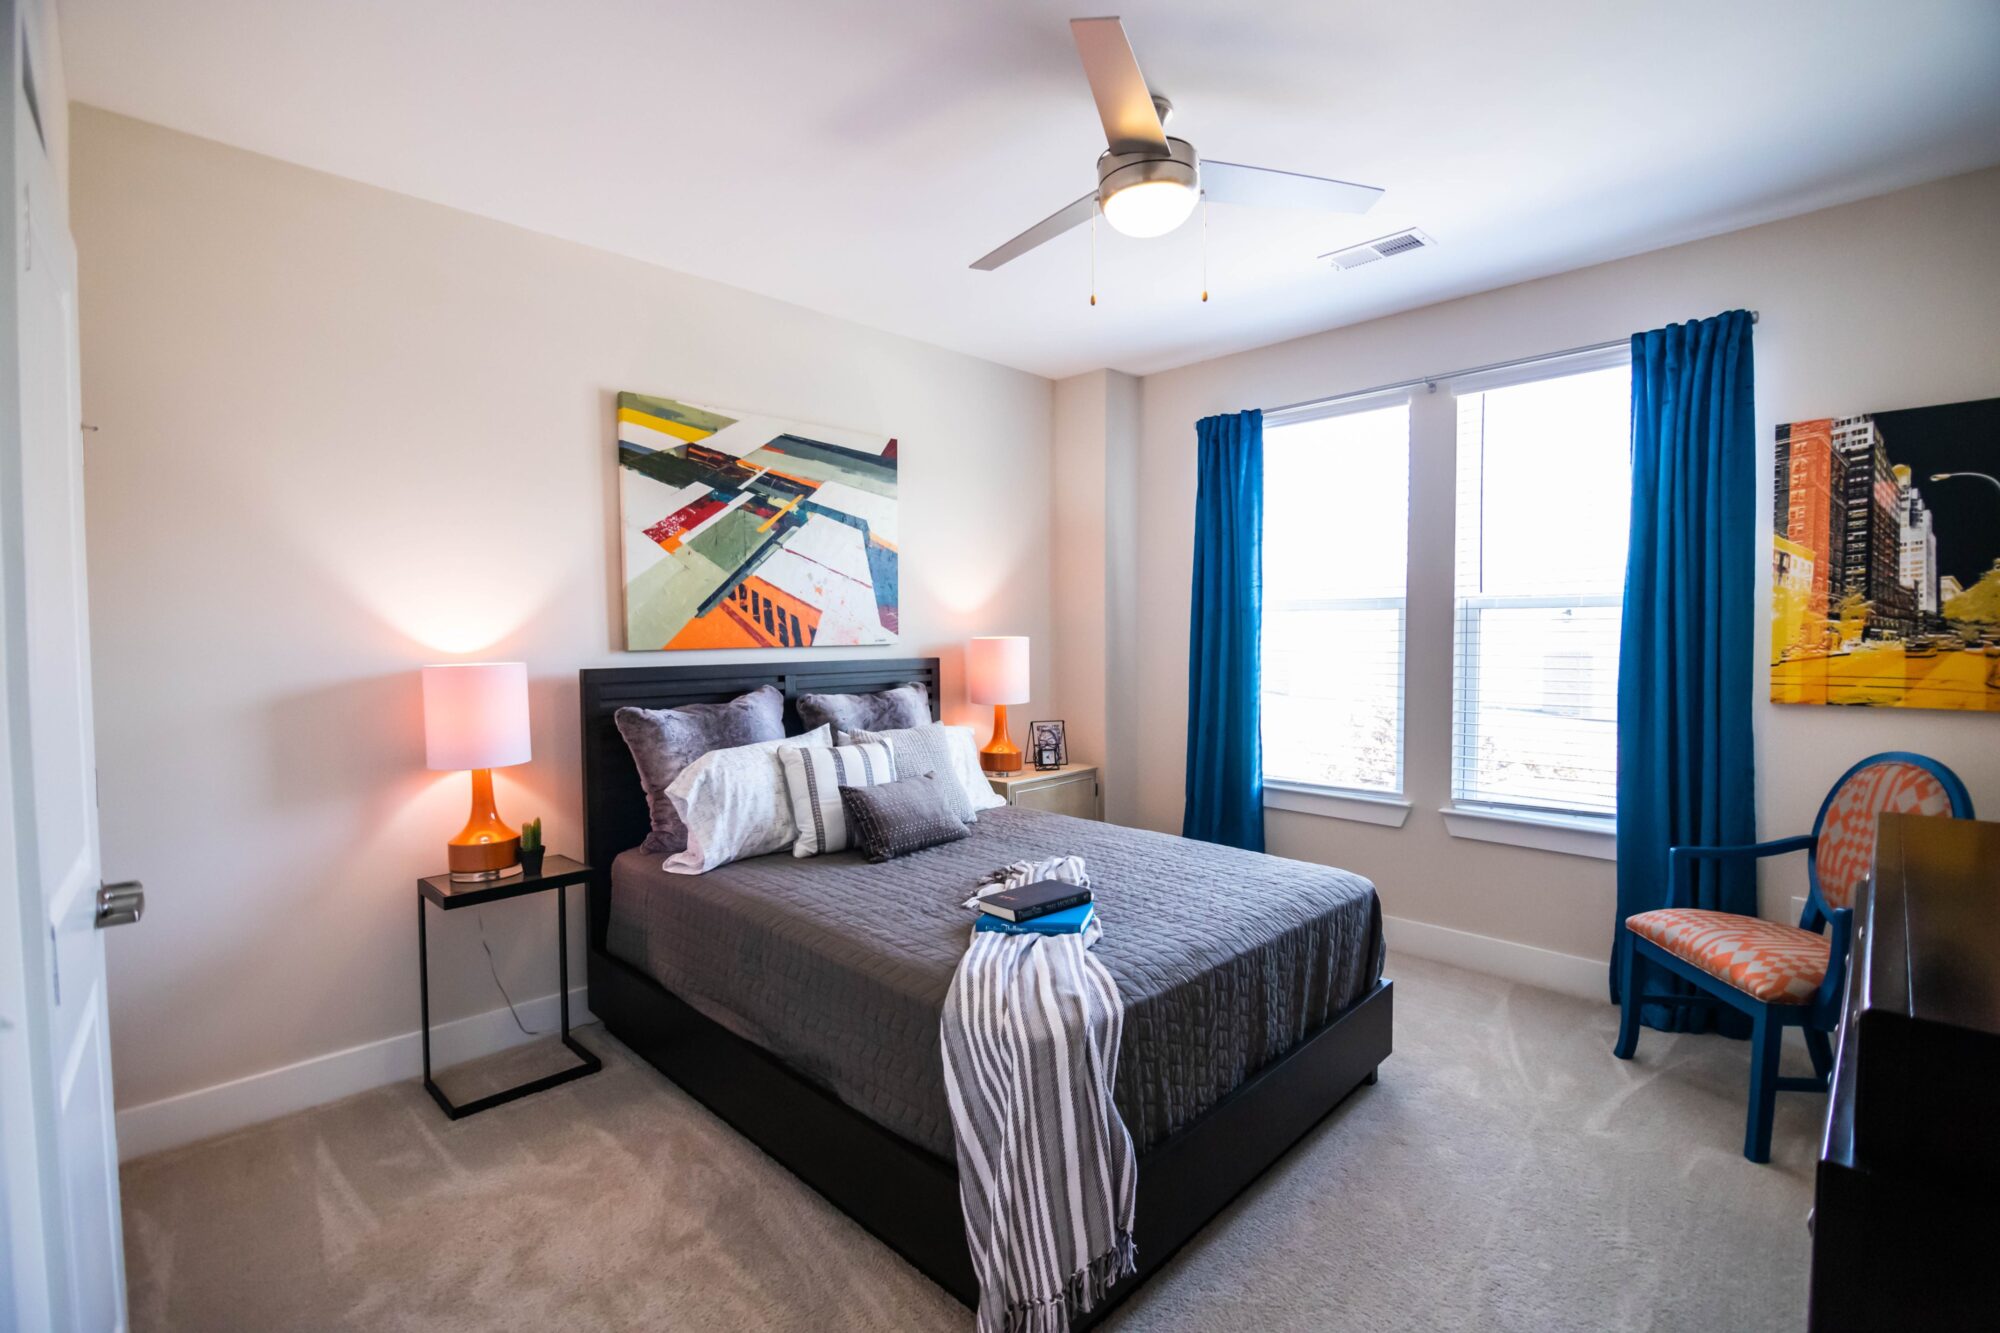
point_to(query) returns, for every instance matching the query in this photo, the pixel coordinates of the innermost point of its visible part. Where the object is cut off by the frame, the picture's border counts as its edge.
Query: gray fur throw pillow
(905, 706)
(664, 741)
(900, 817)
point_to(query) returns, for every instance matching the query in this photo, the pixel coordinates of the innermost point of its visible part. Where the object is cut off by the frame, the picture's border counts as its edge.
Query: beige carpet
(1507, 1173)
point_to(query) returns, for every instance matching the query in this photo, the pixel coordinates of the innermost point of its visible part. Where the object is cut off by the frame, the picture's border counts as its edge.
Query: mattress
(1225, 959)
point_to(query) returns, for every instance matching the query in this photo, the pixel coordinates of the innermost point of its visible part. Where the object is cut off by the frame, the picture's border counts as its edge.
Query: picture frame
(1048, 741)
(1885, 559)
(746, 531)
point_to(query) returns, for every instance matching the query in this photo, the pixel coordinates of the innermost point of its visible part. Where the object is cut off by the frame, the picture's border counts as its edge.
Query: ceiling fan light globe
(1149, 208)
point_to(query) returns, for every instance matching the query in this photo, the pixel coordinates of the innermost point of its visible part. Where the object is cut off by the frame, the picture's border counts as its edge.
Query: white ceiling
(854, 156)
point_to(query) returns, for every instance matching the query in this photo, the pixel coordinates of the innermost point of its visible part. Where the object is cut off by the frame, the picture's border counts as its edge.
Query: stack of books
(1050, 907)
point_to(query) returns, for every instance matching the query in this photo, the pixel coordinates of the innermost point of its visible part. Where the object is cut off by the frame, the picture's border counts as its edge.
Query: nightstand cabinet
(1069, 790)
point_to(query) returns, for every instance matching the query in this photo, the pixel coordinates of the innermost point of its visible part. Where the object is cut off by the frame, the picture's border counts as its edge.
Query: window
(1336, 519)
(1544, 489)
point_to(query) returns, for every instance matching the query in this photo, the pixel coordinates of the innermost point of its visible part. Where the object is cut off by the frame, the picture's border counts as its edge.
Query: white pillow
(965, 754)
(735, 805)
(935, 747)
(813, 779)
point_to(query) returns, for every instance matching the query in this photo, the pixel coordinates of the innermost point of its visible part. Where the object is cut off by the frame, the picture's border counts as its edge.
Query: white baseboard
(206, 1112)
(1565, 973)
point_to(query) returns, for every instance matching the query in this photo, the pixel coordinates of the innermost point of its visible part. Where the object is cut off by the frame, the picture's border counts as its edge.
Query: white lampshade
(996, 670)
(476, 715)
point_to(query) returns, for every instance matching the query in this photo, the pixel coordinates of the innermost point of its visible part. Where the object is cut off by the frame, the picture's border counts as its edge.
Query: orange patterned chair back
(1844, 839)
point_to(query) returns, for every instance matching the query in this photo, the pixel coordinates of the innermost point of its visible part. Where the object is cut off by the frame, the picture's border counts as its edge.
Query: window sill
(1596, 838)
(1333, 803)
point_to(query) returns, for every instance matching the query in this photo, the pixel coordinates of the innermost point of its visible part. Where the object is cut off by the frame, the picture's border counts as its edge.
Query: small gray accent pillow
(905, 706)
(897, 818)
(665, 741)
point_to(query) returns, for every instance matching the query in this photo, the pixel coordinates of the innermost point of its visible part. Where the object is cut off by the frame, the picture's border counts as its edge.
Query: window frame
(1541, 825)
(1371, 805)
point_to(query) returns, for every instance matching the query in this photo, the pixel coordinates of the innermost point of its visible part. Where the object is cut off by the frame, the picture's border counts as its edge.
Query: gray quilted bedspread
(1225, 959)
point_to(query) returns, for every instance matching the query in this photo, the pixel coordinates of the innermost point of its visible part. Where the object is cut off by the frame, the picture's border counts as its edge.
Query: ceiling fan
(1148, 183)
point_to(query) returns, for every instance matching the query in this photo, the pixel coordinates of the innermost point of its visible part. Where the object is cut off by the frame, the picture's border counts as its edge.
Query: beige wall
(1091, 500)
(1076, 503)
(342, 433)
(1882, 304)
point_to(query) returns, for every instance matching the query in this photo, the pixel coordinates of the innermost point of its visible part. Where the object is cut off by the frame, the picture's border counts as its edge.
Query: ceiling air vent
(1382, 247)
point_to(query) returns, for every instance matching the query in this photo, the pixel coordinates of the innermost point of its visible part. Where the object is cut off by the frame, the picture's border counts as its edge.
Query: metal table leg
(590, 1064)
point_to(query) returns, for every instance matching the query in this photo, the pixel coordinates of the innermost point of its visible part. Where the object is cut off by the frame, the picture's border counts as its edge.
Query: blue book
(1069, 921)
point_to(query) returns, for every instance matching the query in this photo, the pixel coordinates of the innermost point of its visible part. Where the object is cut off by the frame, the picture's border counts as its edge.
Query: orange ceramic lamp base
(485, 848)
(1000, 755)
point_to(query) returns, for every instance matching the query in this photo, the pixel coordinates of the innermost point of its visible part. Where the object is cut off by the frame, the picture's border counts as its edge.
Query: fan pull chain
(1204, 247)
(1093, 256)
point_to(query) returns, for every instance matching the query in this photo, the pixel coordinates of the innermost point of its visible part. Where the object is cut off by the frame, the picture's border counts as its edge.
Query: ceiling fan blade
(1124, 102)
(1050, 227)
(1261, 187)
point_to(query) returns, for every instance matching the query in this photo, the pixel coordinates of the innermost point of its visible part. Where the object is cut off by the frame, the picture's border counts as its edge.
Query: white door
(64, 1257)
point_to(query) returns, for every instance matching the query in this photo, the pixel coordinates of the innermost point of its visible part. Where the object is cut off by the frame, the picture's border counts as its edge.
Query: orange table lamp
(476, 717)
(996, 672)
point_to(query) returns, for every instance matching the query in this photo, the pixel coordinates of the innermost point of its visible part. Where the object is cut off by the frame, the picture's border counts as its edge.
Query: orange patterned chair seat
(1775, 963)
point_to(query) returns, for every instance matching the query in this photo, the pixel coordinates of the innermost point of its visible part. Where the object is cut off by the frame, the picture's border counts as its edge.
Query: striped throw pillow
(814, 779)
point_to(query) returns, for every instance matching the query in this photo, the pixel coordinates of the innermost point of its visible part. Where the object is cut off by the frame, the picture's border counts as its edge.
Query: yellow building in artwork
(1791, 596)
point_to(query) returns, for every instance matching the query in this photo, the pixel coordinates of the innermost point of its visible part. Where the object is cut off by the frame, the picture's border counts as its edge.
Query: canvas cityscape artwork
(746, 531)
(1885, 561)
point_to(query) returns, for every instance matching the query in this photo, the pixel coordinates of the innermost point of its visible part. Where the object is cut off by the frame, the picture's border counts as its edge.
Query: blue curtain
(1685, 670)
(1225, 746)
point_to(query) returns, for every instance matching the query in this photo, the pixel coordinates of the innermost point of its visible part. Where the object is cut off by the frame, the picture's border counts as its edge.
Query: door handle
(120, 904)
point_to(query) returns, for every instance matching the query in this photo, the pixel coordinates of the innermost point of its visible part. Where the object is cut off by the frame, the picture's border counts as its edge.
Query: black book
(1033, 900)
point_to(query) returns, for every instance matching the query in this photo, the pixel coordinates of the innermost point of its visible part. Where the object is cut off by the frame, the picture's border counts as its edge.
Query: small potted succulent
(531, 847)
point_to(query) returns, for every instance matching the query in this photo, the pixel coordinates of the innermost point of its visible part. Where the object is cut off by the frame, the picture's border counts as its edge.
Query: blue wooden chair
(1782, 976)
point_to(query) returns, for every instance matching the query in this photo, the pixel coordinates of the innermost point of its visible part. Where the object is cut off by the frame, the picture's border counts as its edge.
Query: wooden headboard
(614, 805)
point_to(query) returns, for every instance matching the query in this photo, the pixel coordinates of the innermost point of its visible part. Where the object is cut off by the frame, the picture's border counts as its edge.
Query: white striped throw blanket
(1046, 1171)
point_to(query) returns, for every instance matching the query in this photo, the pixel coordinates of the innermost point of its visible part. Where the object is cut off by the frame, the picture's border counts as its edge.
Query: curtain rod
(1431, 381)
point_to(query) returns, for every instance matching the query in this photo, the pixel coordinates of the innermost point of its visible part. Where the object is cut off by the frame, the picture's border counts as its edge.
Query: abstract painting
(1885, 560)
(746, 531)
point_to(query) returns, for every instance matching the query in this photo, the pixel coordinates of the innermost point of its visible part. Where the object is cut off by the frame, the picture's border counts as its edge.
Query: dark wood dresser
(1904, 1232)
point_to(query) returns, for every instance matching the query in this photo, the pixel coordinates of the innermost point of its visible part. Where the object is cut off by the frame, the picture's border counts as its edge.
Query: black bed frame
(904, 1194)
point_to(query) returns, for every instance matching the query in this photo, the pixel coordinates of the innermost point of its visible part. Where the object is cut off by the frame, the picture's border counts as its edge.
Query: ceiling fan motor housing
(1117, 171)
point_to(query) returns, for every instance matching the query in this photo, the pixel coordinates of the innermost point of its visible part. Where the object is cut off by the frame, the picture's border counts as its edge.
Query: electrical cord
(493, 965)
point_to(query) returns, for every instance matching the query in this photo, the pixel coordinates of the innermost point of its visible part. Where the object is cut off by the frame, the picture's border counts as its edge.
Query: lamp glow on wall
(996, 672)
(476, 717)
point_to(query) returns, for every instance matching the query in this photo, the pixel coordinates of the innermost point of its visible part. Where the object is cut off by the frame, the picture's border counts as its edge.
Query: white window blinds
(1336, 523)
(1544, 486)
